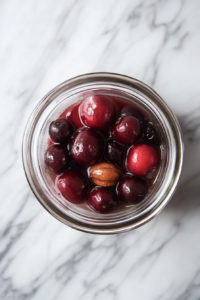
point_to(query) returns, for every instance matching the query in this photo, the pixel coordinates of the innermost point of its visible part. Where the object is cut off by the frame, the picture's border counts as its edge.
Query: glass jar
(35, 145)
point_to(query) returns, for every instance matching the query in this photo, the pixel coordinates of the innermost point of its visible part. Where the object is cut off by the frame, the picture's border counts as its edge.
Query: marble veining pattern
(46, 42)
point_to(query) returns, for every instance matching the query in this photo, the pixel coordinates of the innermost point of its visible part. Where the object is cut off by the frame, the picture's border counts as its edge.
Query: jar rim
(29, 170)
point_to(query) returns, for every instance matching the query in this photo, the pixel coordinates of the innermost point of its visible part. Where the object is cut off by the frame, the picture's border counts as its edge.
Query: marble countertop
(46, 42)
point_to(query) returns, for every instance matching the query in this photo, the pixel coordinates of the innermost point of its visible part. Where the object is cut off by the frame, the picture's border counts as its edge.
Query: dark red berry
(60, 131)
(57, 159)
(142, 158)
(130, 110)
(86, 146)
(126, 130)
(98, 112)
(115, 152)
(151, 134)
(102, 200)
(72, 114)
(132, 189)
(73, 186)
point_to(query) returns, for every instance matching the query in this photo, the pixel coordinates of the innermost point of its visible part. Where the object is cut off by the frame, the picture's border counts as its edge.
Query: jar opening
(35, 144)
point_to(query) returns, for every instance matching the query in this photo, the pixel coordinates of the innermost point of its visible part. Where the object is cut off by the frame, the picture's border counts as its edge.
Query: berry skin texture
(72, 114)
(60, 131)
(57, 159)
(102, 200)
(126, 130)
(98, 112)
(115, 152)
(73, 186)
(141, 159)
(86, 147)
(132, 189)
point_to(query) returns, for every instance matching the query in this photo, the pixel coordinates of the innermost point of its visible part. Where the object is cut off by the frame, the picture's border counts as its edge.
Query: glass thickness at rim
(73, 86)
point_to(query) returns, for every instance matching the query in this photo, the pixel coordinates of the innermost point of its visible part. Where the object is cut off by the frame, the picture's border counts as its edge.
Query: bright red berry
(142, 158)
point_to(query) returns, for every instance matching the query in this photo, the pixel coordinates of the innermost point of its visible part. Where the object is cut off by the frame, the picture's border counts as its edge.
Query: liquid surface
(147, 136)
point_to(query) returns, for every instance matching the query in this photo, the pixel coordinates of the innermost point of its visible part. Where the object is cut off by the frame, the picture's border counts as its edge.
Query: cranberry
(126, 130)
(115, 152)
(73, 186)
(151, 134)
(60, 131)
(72, 114)
(142, 158)
(86, 146)
(132, 190)
(98, 112)
(102, 200)
(130, 110)
(57, 159)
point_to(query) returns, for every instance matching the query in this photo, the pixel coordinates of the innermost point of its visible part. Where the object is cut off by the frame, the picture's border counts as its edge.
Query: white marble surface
(43, 43)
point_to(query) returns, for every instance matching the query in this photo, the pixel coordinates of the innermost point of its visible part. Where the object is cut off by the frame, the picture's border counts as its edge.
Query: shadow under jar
(130, 91)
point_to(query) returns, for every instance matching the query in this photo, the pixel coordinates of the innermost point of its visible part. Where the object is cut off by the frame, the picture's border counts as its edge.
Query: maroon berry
(115, 152)
(132, 190)
(151, 134)
(60, 131)
(86, 146)
(72, 114)
(130, 110)
(98, 112)
(57, 159)
(126, 130)
(142, 158)
(73, 186)
(102, 200)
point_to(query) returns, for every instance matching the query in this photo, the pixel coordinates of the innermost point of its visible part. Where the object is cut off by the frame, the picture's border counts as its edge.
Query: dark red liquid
(72, 114)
